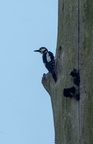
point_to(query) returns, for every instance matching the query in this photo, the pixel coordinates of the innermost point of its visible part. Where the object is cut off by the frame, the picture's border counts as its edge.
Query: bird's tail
(54, 77)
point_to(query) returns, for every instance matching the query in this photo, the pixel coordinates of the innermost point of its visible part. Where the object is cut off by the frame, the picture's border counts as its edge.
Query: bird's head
(41, 50)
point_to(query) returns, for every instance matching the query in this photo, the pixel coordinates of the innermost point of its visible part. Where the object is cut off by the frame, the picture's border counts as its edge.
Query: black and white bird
(48, 60)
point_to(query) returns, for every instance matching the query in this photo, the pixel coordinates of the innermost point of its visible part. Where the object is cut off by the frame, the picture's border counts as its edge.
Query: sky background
(25, 107)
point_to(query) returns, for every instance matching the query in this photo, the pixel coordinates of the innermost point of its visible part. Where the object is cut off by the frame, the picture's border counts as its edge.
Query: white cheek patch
(48, 57)
(42, 50)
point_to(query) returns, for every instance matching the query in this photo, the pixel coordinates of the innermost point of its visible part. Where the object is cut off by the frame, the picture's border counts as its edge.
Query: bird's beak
(36, 51)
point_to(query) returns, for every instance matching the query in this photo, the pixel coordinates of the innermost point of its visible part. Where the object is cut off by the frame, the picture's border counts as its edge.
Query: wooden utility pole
(73, 119)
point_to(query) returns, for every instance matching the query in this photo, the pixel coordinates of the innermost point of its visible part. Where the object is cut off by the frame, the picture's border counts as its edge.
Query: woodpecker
(48, 60)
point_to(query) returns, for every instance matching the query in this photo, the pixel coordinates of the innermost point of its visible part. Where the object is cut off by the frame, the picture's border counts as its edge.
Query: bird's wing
(49, 62)
(51, 55)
